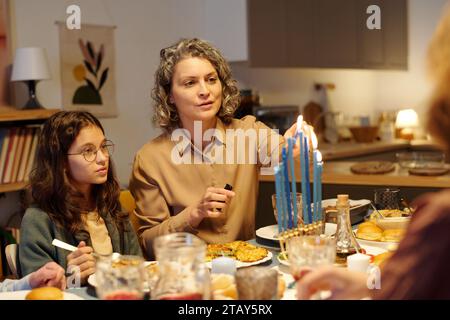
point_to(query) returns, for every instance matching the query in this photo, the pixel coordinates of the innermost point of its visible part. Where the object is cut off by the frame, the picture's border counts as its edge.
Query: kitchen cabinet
(326, 34)
(226, 27)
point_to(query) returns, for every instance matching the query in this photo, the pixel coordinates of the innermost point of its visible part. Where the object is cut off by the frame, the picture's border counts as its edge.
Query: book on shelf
(12, 147)
(26, 153)
(18, 155)
(4, 150)
(32, 155)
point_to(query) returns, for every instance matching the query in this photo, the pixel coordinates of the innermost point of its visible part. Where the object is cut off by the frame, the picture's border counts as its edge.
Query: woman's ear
(171, 99)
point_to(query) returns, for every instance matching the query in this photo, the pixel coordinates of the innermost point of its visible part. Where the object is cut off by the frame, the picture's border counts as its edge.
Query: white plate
(240, 264)
(20, 295)
(92, 280)
(354, 204)
(379, 244)
(271, 232)
(369, 250)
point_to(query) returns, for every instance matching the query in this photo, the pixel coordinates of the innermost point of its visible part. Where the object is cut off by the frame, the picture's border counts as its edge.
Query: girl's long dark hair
(50, 187)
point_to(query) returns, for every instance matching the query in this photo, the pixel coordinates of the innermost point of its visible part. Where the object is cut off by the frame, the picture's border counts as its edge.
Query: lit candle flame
(313, 138)
(299, 123)
(319, 156)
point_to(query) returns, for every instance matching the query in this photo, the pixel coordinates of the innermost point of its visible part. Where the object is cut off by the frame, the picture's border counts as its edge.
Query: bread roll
(45, 293)
(393, 235)
(369, 231)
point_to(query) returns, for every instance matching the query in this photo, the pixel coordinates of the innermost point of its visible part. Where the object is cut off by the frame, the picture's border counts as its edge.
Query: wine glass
(306, 253)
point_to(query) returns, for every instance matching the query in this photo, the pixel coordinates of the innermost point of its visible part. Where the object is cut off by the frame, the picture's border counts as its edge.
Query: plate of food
(244, 253)
(45, 293)
(152, 273)
(282, 257)
(271, 232)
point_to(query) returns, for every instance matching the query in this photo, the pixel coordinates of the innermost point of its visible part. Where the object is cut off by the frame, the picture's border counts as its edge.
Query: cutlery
(69, 247)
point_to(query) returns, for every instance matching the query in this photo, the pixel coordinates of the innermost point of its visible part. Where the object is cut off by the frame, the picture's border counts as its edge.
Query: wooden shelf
(19, 117)
(8, 113)
(9, 187)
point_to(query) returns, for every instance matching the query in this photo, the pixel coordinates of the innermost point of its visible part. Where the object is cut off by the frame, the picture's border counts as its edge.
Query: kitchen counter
(352, 149)
(338, 173)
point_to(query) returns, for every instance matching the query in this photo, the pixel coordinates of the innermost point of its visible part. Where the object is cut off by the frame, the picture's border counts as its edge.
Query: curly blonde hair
(439, 68)
(166, 115)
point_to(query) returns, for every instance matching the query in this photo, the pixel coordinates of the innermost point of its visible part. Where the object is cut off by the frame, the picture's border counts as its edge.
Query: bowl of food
(364, 134)
(392, 219)
(421, 160)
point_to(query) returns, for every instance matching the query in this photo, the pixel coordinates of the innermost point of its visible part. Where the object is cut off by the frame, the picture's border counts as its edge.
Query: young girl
(76, 198)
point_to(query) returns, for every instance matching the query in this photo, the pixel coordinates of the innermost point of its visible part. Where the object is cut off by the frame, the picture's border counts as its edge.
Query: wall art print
(88, 69)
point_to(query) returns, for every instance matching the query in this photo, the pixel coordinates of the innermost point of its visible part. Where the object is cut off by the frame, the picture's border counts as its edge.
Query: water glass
(298, 201)
(183, 274)
(120, 278)
(306, 253)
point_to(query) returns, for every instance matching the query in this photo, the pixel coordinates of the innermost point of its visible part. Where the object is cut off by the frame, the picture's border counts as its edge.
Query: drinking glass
(120, 277)
(182, 269)
(257, 283)
(298, 201)
(306, 253)
(387, 199)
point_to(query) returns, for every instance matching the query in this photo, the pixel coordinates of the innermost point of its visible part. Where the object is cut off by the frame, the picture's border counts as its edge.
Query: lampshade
(30, 64)
(407, 119)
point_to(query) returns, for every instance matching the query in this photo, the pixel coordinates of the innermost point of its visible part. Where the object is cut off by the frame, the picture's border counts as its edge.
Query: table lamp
(30, 65)
(406, 121)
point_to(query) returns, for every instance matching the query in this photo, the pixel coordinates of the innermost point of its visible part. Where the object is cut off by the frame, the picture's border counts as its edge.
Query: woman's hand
(212, 205)
(342, 283)
(83, 259)
(50, 275)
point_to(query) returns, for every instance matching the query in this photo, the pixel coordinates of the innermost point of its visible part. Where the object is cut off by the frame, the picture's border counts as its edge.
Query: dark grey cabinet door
(335, 33)
(267, 29)
(396, 34)
(326, 34)
(299, 34)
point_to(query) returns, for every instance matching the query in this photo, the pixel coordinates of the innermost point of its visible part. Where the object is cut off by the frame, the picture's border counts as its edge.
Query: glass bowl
(421, 160)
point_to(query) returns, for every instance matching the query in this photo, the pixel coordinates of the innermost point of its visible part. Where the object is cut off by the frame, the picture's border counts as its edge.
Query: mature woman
(76, 198)
(419, 268)
(178, 178)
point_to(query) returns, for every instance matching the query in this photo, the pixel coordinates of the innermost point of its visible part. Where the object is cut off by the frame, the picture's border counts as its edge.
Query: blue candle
(291, 143)
(283, 198)
(302, 170)
(315, 187)
(287, 187)
(308, 187)
(278, 197)
(319, 183)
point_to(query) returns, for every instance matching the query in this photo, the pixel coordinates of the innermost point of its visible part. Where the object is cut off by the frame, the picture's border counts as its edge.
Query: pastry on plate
(369, 231)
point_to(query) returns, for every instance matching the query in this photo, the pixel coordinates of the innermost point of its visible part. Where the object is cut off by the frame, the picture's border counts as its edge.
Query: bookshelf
(10, 116)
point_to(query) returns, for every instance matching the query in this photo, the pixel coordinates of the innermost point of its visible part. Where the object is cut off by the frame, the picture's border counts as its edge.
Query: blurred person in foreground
(419, 267)
(50, 275)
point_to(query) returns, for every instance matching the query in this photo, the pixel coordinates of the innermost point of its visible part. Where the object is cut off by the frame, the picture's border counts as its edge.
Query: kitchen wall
(143, 28)
(357, 92)
(146, 26)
